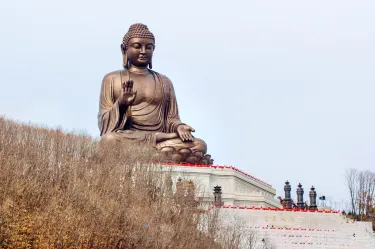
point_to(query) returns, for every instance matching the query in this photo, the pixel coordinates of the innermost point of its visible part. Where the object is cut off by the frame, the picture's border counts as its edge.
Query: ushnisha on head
(138, 46)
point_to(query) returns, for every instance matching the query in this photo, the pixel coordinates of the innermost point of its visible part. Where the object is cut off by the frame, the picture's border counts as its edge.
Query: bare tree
(361, 192)
(370, 191)
(251, 240)
(351, 178)
(361, 186)
(233, 232)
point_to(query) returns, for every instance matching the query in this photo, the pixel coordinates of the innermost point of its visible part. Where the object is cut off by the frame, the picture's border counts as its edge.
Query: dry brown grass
(60, 190)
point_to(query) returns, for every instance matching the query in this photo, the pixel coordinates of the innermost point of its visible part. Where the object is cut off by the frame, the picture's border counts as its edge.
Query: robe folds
(158, 114)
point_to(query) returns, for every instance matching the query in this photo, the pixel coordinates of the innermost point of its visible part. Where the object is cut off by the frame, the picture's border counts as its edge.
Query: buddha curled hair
(137, 30)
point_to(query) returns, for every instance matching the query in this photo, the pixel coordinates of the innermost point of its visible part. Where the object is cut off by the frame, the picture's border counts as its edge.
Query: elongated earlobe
(125, 62)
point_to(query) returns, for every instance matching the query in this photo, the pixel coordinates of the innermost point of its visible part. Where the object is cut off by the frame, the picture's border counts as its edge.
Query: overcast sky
(283, 90)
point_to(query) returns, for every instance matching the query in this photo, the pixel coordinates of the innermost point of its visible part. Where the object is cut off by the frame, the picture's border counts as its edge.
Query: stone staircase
(301, 229)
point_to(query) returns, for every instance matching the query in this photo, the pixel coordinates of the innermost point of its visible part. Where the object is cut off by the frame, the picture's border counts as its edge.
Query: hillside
(63, 190)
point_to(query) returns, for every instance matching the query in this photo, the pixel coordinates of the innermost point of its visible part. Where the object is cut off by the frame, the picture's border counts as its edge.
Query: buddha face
(140, 51)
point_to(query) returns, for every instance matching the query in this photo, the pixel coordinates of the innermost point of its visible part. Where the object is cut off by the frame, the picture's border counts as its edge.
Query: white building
(250, 201)
(238, 188)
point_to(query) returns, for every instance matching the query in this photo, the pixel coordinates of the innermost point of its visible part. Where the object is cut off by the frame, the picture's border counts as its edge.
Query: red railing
(276, 209)
(294, 229)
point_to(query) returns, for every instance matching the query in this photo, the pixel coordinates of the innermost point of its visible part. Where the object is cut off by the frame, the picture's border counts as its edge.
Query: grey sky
(280, 89)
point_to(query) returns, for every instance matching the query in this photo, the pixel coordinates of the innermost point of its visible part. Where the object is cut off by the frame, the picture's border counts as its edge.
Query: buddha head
(138, 46)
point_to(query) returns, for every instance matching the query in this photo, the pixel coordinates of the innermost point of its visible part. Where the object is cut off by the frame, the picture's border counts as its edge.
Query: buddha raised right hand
(127, 96)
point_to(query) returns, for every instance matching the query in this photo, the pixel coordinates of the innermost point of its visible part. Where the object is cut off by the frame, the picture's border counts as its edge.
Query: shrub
(64, 190)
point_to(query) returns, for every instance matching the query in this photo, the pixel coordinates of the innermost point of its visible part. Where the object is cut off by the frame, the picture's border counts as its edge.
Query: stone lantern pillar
(300, 203)
(217, 196)
(287, 200)
(312, 195)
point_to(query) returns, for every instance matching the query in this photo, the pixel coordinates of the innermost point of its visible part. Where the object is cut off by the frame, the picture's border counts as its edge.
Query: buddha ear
(125, 60)
(150, 64)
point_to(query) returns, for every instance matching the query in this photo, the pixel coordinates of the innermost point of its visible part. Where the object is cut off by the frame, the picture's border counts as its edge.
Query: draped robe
(158, 114)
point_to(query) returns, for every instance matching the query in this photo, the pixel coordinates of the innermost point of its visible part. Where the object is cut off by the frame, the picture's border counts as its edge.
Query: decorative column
(287, 200)
(217, 195)
(312, 194)
(300, 192)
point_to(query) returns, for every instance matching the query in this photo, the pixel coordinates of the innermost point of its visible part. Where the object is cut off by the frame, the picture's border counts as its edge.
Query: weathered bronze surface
(139, 104)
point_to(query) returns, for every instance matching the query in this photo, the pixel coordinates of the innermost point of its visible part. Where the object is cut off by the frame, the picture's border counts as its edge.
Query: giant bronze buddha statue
(139, 104)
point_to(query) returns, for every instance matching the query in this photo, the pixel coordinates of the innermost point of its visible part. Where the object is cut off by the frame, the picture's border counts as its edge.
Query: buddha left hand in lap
(140, 104)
